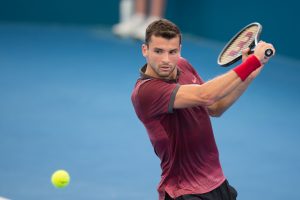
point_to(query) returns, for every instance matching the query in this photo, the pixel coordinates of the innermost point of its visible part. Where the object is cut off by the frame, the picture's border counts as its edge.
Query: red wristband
(247, 67)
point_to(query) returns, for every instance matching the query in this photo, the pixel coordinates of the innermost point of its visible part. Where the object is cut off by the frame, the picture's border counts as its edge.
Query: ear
(145, 50)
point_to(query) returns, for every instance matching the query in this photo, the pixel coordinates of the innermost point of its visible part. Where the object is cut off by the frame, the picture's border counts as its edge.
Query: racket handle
(269, 52)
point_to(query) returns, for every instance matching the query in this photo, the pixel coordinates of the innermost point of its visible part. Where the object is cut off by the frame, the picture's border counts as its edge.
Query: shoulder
(150, 87)
(184, 64)
(151, 97)
(147, 83)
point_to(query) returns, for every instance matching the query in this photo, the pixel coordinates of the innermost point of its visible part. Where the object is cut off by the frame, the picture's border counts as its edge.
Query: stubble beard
(162, 70)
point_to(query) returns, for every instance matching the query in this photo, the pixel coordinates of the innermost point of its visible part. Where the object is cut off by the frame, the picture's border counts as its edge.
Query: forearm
(240, 81)
(216, 89)
(218, 108)
(221, 86)
(222, 105)
(207, 93)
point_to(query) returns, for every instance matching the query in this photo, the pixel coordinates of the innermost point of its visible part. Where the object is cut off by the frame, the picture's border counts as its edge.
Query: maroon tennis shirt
(182, 138)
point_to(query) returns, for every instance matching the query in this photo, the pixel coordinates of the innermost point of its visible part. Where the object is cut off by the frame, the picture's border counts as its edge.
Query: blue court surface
(65, 104)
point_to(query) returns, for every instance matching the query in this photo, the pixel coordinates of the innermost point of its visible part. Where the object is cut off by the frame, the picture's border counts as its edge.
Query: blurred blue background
(216, 20)
(65, 86)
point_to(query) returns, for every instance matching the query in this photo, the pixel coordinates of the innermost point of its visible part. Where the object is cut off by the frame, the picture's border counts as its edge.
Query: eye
(173, 52)
(158, 51)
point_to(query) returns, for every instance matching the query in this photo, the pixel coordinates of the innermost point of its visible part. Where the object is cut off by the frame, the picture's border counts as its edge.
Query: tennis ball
(60, 178)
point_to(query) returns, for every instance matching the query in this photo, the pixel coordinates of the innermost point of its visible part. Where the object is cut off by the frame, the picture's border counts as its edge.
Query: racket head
(246, 37)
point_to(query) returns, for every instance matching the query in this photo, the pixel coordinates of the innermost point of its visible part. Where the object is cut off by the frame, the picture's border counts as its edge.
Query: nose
(165, 58)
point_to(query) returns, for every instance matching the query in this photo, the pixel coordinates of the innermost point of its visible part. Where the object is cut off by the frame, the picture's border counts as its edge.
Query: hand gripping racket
(247, 37)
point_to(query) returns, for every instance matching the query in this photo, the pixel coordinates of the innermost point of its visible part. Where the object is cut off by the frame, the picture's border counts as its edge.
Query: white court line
(2, 198)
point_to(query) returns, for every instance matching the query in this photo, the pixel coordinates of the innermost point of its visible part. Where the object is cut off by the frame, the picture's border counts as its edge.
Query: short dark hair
(162, 28)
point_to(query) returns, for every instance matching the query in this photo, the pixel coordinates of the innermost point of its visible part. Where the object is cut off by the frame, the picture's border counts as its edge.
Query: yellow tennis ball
(60, 178)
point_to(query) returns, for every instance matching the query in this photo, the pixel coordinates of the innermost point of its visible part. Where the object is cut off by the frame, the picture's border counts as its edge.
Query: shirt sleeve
(156, 97)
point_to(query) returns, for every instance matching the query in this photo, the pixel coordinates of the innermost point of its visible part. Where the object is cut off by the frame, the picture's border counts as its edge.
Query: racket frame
(251, 46)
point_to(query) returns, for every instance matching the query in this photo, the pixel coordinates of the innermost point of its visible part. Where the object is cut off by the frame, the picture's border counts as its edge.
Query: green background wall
(212, 19)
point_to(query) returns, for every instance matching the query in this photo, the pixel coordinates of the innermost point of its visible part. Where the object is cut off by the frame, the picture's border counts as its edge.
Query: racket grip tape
(247, 67)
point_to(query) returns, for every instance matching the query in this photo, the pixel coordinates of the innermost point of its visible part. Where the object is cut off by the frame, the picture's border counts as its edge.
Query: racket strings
(241, 42)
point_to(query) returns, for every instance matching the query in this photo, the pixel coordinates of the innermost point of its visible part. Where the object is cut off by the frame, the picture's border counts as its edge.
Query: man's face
(162, 56)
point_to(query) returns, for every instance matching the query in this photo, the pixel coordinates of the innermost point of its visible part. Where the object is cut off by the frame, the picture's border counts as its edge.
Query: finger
(245, 53)
(273, 49)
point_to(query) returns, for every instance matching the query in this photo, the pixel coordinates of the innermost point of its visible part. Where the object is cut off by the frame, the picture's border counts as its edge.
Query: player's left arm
(219, 107)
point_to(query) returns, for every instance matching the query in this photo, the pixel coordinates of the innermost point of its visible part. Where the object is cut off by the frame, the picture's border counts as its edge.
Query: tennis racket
(247, 37)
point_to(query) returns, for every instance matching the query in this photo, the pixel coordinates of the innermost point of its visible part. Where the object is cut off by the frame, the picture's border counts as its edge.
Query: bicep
(191, 95)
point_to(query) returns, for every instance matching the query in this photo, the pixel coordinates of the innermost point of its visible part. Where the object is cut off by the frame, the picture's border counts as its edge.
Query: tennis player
(175, 106)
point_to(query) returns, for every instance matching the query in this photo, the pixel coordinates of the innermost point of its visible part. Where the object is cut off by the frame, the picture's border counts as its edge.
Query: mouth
(165, 68)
